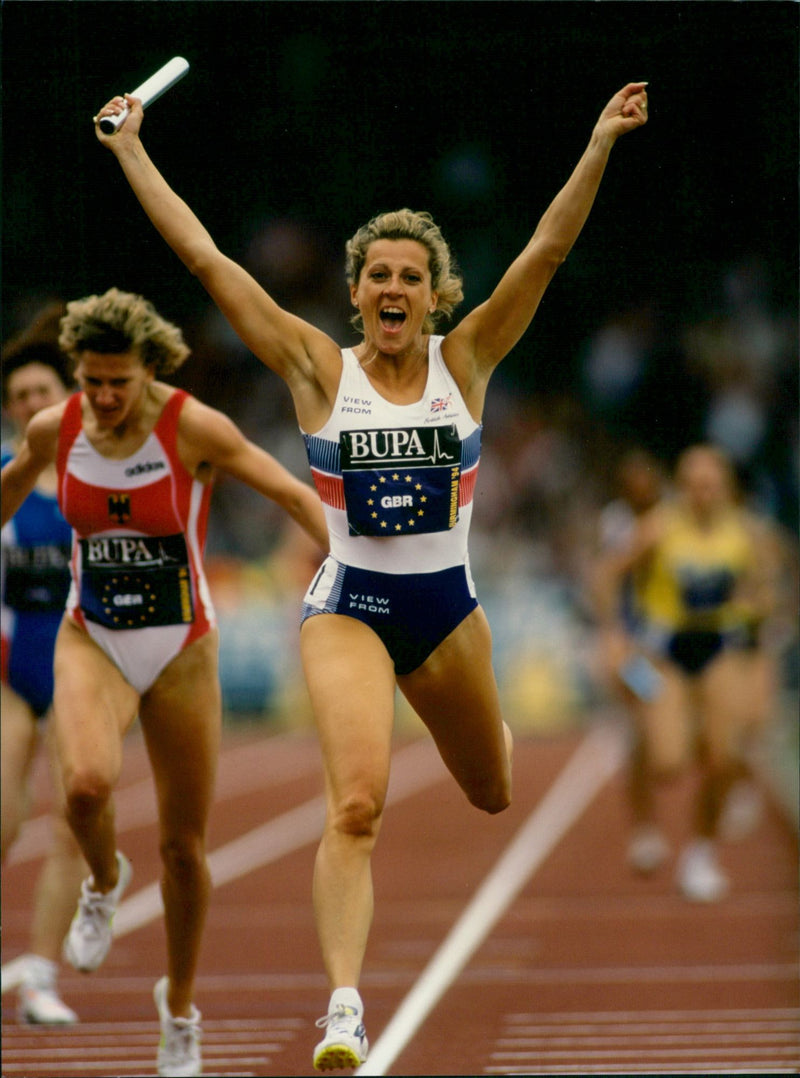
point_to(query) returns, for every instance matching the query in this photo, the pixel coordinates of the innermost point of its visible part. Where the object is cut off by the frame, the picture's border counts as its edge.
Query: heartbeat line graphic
(164, 556)
(439, 454)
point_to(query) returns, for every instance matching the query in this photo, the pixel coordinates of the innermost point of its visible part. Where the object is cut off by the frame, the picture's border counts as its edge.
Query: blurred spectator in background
(616, 360)
(35, 581)
(767, 671)
(628, 675)
(703, 592)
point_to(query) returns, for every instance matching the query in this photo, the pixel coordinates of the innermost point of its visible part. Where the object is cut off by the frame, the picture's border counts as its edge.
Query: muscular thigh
(181, 718)
(351, 682)
(17, 752)
(455, 694)
(760, 678)
(19, 736)
(93, 706)
(725, 701)
(666, 722)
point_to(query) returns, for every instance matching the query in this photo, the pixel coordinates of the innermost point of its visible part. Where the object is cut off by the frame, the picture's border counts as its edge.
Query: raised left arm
(475, 347)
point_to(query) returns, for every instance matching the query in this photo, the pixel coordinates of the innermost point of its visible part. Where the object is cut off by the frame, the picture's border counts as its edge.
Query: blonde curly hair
(408, 224)
(122, 322)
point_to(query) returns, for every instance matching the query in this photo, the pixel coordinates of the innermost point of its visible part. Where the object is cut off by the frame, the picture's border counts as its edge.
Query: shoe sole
(337, 1057)
(27, 1020)
(705, 897)
(69, 956)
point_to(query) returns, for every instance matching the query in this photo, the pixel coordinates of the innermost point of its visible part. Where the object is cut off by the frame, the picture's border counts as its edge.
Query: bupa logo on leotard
(399, 445)
(141, 552)
(43, 556)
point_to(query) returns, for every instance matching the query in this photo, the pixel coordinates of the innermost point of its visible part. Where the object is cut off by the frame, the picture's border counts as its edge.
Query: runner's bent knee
(183, 857)
(87, 790)
(356, 815)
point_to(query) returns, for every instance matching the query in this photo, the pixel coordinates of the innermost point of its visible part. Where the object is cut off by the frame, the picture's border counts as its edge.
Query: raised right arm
(37, 450)
(291, 347)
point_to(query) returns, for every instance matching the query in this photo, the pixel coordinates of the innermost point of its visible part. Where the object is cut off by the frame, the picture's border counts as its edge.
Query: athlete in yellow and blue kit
(702, 591)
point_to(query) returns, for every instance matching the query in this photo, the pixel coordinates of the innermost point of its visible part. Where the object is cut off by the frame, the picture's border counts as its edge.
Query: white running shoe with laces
(699, 876)
(345, 1042)
(38, 1002)
(89, 938)
(179, 1048)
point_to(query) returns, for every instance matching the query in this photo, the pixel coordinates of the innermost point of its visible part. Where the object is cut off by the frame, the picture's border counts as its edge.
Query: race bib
(37, 578)
(401, 481)
(135, 582)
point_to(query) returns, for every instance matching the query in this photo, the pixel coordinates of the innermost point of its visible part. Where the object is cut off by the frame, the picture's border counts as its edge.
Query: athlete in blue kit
(34, 569)
(392, 429)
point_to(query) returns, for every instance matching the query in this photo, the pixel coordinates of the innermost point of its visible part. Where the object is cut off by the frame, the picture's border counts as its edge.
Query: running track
(501, 945)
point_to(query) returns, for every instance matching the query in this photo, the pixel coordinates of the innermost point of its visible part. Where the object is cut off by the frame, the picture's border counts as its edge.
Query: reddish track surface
(582, 969)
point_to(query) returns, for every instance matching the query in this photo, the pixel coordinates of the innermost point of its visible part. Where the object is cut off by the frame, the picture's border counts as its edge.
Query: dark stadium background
(326, 113)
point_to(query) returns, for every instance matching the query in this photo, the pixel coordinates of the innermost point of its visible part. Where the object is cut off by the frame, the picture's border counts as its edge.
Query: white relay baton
(150, 90)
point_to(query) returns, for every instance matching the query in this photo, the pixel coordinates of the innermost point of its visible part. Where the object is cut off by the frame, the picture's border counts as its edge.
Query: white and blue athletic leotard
(34, 571)
(397, 483)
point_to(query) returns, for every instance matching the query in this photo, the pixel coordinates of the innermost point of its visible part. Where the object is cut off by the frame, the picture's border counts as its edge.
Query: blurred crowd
(724, 373)
(642, 377)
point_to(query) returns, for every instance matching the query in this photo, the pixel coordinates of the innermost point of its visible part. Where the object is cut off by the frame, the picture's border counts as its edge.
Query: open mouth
(392, 317)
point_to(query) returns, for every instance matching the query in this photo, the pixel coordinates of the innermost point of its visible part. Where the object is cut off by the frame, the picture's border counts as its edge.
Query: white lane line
(703, 1070)
(752, 972)
(241, 769)
(739, 1054)
(660, 1018)
(414, 767)
(593, 763)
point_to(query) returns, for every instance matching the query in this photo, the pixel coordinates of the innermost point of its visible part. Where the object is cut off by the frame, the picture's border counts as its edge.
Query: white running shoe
(647, 849)
(38, 1001)
(179, 1047)
(89, 937)
(345, 1042)
(699, 876)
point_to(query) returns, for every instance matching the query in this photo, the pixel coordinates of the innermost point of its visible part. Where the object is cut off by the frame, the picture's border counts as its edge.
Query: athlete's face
(394, 293)
(29, 389)
(115, 385)
(704, 483)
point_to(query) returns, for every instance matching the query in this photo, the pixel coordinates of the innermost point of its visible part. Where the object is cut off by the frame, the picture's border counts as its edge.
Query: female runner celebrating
(392, 429)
